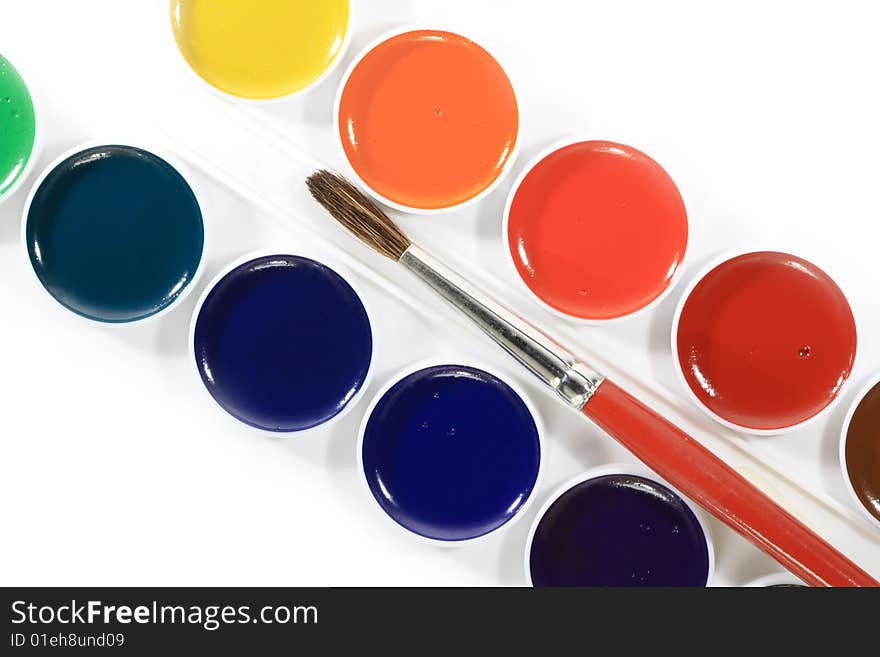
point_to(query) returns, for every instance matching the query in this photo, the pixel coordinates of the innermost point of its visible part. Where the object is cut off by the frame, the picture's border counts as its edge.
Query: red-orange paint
(766, 340)
(428, 119)
(597, 230)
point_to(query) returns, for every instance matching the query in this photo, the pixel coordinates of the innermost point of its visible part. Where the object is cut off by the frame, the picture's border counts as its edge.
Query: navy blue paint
(283, 343)
(451, 452)
(619, 530)
(115, 233)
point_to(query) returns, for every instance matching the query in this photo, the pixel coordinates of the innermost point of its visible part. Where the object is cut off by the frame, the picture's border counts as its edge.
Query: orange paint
(428, 119)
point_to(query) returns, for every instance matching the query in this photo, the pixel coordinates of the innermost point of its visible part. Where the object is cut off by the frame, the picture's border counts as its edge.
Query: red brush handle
(715, 486)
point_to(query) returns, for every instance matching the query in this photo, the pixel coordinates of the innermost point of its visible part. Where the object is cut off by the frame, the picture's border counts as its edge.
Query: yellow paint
(259, 48)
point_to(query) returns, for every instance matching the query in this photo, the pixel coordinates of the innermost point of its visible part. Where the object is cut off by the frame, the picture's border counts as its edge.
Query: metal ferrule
(572, 380)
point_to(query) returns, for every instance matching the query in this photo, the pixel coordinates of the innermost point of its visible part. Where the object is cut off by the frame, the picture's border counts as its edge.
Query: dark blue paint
(619, 530)
(115, 233)
(283, 343)
(451, 452)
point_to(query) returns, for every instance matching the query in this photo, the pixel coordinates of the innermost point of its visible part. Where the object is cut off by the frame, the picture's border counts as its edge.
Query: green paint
(17, 125)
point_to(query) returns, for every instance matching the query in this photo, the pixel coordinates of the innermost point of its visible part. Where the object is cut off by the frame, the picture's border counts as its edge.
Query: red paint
(711, 483)
(597, 230)
(766, 340)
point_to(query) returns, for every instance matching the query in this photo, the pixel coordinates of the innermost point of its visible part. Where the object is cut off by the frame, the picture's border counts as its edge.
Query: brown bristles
(351, 207)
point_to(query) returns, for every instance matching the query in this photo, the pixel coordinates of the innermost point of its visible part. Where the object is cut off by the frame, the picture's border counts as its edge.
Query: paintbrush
(661, 445)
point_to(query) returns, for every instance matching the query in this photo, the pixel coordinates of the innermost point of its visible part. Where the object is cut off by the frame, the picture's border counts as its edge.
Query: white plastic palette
(198, 500)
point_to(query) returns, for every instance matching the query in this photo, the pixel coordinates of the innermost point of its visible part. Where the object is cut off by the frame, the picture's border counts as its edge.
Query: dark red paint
(766, 340)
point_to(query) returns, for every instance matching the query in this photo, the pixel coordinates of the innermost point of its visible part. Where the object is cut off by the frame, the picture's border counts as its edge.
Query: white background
(115, 467)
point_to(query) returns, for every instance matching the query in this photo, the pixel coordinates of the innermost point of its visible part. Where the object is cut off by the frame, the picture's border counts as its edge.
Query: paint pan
(114, 232)
(764, 341)
(427, 120)
(282, 342)
(617, 526)
(261, 50)
(19, 133)
(777, 581)
(451, 451)
(860, 451)
(596, 230)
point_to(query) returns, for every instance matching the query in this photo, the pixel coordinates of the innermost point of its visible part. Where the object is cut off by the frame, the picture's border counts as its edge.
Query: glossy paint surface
(114, 233)
(259, 49)
(428, 119)
(451, 452)
(619, 530)
(862, 452)
(283, 343)
(17, 125)
(766, 340)
(597, 230)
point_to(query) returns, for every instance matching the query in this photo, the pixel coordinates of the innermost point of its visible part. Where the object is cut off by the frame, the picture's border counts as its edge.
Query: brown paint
(863, 451)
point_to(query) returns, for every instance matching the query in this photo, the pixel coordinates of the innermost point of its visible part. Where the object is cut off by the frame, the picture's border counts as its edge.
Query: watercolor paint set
(298, 332)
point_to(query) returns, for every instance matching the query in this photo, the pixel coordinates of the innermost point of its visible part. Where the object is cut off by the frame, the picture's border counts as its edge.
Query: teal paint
(115, 233)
